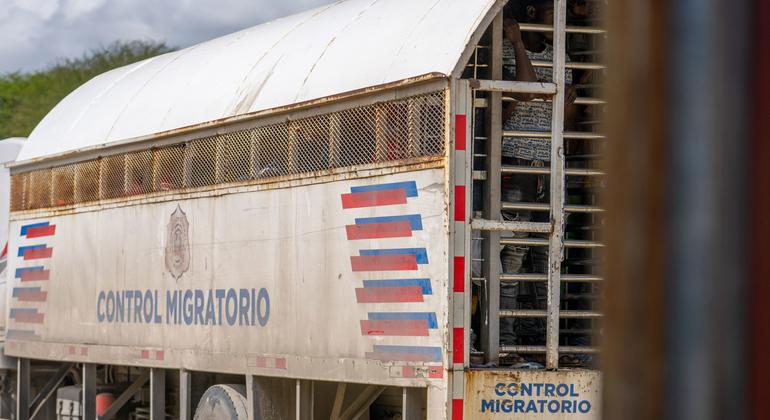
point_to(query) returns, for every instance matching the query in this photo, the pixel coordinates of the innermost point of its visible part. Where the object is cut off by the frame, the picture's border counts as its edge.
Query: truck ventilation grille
(391, 131)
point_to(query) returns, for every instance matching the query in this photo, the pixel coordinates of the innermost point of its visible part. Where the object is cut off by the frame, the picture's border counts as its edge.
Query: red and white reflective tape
(459, 267)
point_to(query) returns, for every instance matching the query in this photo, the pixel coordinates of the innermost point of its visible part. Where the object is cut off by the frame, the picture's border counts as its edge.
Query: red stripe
(398, 327)
(459, 203)
(401, 229)
(37, 253)
(457, 409)
(145, 354)
(459, 132)
(459, 275)
(384, 262)
(280, 363)
(435, 372)
(399, 357)
(261, 362)
(25, 296)
(374, 198)
(458, 349)
(35, 275)
(37, 232)
(29, 317)
(408, 372)
(389, 294)
(160, 354)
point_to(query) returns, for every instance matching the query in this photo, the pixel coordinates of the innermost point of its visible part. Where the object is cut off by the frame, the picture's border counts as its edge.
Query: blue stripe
(414, 219)
(421, 254)
(423, 283)
(33, 225)
(15, 311)
(20, 334)
(434, 352)
(409, 186)
(17, 290)
(22, 249)
(400, 316)
(25, 269)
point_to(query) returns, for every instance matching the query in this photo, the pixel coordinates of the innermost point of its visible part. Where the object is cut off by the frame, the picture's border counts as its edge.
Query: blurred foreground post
(686, 244)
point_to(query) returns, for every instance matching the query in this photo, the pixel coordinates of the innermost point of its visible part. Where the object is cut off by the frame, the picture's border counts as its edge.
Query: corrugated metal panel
(342, 47)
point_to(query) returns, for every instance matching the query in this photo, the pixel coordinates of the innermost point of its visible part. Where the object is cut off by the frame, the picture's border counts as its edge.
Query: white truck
(278, 223)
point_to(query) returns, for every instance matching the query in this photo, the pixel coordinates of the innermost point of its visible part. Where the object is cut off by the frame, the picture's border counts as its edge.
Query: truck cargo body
(319, 252)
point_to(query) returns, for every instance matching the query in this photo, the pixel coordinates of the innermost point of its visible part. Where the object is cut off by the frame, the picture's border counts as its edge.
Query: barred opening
(383, 132)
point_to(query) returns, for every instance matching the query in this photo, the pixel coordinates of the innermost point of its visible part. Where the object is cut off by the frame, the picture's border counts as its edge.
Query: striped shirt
(532, 115)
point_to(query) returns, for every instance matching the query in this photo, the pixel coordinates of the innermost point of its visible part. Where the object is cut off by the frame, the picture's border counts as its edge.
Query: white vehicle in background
(278, 224)
(9, 150)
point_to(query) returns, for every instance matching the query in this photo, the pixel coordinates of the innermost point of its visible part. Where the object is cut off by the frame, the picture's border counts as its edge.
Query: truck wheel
(222, 402)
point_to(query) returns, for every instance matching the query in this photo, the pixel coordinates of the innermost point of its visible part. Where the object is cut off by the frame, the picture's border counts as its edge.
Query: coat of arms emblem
(177, 243)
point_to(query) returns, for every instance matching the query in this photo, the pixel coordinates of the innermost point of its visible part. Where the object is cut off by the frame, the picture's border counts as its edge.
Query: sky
(35, 33)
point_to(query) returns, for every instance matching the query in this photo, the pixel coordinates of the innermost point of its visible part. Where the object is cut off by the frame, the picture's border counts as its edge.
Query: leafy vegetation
(25, 98)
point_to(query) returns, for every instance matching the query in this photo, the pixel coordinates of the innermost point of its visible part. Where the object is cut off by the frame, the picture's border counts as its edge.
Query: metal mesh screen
(383, 132)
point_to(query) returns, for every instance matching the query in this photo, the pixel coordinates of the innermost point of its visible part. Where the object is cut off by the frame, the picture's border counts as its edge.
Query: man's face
(545, 16)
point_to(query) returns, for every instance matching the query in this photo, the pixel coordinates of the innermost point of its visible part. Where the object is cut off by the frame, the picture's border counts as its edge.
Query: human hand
(512, 31)
(570, 94)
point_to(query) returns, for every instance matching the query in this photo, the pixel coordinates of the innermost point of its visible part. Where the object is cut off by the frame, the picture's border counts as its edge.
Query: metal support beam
(119, 402)
(48, 389)
(555, 247)
(305, 400)
(157, 394)
(413, 404)
(339, 398)
(513, 86)
(22, 389)
(362, 402)
(502, 226)
(252, 403)
(88, 405)
(185, 394)
(490, 323)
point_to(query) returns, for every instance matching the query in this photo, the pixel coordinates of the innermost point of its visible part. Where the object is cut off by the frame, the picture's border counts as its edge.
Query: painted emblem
(177, 243)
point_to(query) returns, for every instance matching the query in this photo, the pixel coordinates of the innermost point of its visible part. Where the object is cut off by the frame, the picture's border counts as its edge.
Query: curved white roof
(341, 47)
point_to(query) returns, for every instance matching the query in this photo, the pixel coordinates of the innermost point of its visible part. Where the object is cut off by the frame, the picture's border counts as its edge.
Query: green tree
(25, 98)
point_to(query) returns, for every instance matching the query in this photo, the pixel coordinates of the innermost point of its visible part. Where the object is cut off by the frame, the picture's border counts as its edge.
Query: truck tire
(222, 402)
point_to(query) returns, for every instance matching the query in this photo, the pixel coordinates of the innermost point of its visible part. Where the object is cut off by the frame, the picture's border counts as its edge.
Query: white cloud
(35, 33)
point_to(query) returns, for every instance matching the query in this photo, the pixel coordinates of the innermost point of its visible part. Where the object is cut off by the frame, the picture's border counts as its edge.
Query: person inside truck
(527, 113)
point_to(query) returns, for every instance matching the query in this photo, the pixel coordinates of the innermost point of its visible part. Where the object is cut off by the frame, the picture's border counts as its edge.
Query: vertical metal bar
(555, 246)
(252, 405)
(22, 389)
(157, 394)
(185, 394)
(88, 405)
(305, 399)
(413, 404)
(490, 329)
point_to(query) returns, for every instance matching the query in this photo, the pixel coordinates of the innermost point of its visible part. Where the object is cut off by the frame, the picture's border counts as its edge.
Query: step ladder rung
(506, 226)
(569, 243)
(569, 278)
(535, 313)
(505, 350)
(569, 135)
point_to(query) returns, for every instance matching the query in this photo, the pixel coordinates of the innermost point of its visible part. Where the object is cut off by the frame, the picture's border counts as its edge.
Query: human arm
(525, 71)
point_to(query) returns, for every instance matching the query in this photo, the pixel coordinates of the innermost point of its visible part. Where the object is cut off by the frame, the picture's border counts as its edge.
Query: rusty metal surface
(398, 130)
(533, 394)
